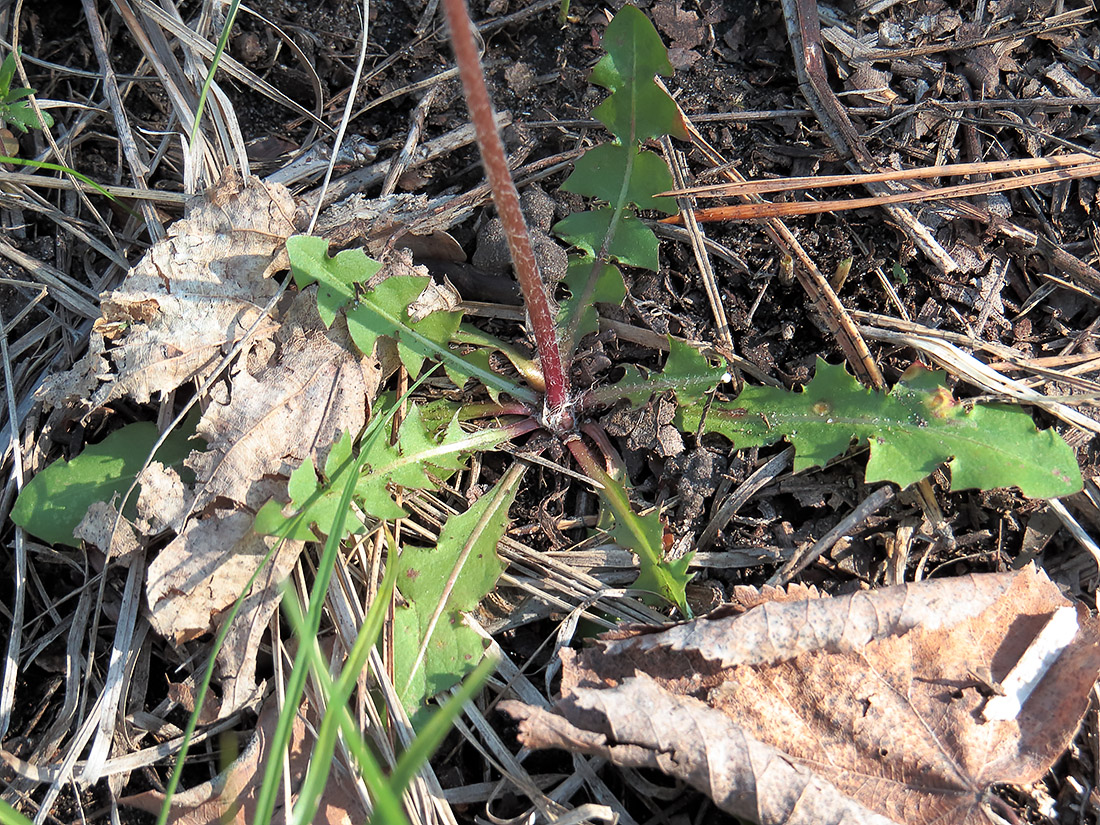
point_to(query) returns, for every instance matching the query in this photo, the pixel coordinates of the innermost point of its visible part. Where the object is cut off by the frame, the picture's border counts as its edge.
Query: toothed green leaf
(383, 311)
(911, 430)
(622, 175)
(453, 649)
(420, 458)
(589, 284)
(621, 172)
(633, 243)
(686, 372)
(638, 109)
(336, 277)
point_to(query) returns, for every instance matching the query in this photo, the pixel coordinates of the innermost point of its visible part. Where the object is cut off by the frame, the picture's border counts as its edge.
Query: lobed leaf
(633, 243)
(686, 372)
(22, 116)
(644, 536)
(638, 109)
(911, 430)
(335, 277)
(418, 460)
(622, 175)
(621, 172)
(589, 283)
(383, 312)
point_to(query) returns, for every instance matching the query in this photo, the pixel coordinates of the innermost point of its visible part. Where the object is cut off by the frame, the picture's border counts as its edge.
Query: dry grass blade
(817, 288)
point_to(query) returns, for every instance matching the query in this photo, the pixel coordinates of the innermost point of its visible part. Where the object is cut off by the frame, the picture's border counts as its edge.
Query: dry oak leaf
(230, 798)
(194, 294)
(862, 708)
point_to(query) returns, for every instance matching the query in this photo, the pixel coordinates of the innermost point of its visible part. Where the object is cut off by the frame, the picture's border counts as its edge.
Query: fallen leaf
(195, 293)
(196, 578)
(231, 796)
(801, 707)
(294, 406)
(98, 528)
(685, 29)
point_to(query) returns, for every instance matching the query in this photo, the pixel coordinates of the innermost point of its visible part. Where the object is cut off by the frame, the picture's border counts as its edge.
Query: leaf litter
(296, 387)
(791, 707)
(230, 798)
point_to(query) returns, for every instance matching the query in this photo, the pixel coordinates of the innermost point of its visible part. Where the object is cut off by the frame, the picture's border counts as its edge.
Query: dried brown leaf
(98, 528)
(293, 405)
(195, 292)
(872, 693)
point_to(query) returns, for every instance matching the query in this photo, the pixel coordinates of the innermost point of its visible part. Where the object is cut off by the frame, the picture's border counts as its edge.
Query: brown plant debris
(793, 707)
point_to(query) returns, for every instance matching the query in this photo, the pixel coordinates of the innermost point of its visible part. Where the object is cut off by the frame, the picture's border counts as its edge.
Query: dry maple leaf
(230, 798)
(827, 710)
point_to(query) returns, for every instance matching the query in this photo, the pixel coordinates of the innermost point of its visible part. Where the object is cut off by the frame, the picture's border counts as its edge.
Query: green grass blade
(439, 725)
(223, 41)
(10, 816)
(385, 797)
(265, 802)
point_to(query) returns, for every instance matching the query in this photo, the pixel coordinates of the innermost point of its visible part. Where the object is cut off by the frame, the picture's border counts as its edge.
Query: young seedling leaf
(457, 573)
(53, 503)
(911, 430)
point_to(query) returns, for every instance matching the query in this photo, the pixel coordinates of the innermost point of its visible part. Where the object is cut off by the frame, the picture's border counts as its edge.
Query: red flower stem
(506, 198)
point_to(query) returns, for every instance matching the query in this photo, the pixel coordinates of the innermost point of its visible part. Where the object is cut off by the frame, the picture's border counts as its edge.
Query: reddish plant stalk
(558, 394)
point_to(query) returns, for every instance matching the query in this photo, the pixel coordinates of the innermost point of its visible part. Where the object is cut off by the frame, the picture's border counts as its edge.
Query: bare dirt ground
(1009, 280)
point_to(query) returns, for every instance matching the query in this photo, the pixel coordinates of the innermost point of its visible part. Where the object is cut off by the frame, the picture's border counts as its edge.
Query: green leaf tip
(637, 109)
(911, 430)
(335, 276)
(54, 502)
